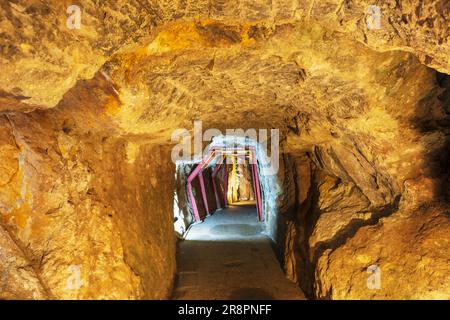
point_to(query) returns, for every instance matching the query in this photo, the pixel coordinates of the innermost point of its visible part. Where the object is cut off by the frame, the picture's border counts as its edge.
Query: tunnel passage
(214, 182)
(229, 257)
(225, 252)
(87, 185)
(221, 156)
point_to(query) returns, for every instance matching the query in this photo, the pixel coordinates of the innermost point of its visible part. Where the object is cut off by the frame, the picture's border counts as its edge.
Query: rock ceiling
(85, 112)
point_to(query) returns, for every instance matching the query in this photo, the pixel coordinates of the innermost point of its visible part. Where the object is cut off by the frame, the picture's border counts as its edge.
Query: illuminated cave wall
(87, 115)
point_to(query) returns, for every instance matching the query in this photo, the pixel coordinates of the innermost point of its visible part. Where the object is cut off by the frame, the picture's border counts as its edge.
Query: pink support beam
(253, 179)
(193, 203)
(202, 188)
(225, 186)
(258, 193)
(213, 177)
(208, 158)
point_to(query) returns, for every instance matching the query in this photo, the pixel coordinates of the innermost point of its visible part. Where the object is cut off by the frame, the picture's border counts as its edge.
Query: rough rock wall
(210, 196)
(75, 203)
(421, 27)
(409, 247)
(371, 117)
(240, 183)
(182, 205)
(330, 233)
(37, 45)
(245, 188)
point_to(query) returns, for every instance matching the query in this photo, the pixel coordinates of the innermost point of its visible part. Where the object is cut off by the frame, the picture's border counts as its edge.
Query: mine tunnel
(224, 150)
(226, 253)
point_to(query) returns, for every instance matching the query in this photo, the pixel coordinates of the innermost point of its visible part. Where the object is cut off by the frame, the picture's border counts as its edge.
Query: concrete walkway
(227, 257)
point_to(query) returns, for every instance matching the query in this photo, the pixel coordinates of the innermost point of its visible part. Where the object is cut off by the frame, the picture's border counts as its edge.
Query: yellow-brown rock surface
(411, 252)
(85, 173)
(84, 203)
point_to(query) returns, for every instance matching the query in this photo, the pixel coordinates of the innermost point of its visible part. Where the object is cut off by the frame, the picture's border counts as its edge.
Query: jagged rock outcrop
(410, 251)
(80, 212)
(41, 58)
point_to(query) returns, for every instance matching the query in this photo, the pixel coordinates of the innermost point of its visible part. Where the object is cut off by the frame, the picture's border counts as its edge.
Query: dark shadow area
(433, 116)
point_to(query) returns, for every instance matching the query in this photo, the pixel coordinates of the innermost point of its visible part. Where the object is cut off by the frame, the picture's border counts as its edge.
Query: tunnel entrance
(87, 174)
(231, 170)
(219, 158)
(229, 256)
(226, 252)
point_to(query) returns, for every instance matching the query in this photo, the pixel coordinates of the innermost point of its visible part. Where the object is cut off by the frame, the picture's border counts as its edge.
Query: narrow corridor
(227, 257)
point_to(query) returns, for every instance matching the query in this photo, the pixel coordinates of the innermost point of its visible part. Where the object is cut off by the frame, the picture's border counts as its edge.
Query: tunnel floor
(227, 257)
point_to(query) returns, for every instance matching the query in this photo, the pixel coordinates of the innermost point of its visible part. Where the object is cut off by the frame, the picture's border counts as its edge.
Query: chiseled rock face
(335, 239)
(411, 253)
(87, 182)
(80, 217)
(18, 279)
(420, 27)
(41, 58)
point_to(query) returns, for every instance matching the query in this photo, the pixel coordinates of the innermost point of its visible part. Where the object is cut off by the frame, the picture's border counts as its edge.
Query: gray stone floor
(227, 257)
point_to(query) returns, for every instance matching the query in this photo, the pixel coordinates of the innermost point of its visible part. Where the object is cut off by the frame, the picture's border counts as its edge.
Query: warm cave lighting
(242, 151)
